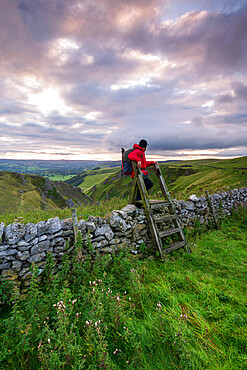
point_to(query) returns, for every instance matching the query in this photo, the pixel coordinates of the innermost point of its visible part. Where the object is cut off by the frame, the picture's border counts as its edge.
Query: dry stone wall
(23, 245)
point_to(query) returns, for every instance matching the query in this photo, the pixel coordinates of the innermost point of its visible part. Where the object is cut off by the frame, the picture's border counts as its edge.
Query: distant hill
(46, 167)
(183, 178)
(23, 192)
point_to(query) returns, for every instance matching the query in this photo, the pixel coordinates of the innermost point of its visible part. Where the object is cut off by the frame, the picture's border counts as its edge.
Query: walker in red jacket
(138, 155)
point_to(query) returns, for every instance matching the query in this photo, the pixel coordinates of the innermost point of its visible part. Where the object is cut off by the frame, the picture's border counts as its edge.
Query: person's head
(143, 143)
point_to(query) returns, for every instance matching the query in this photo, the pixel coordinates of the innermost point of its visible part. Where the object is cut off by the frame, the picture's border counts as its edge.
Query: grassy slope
(94, 177)
(186, 313)
(91, 177)
(24, 193)
(183, 178)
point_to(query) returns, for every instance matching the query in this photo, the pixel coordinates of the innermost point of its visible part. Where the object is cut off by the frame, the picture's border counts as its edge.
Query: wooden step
(164, 218)
(169, 232)
(174, 246)
(154, 202)
(160, 201)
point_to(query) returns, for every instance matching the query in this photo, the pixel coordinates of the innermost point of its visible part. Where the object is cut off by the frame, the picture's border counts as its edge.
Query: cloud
(93, 76)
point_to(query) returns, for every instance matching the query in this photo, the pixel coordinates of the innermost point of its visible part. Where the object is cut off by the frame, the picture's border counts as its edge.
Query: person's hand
(139, 164)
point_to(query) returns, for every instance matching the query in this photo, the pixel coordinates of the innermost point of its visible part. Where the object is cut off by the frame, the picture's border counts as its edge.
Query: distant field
(56, 177)
(94, 177)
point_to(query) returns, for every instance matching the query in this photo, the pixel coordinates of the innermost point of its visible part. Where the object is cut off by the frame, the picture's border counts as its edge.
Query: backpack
(126, 162)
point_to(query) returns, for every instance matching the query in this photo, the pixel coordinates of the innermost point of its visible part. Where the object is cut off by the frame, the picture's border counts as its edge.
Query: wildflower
(158, 306)
(129, 299)
(73, 302)
(87, 323)
(100, 281)
(116, 351)
(39, 344)
(49, 341)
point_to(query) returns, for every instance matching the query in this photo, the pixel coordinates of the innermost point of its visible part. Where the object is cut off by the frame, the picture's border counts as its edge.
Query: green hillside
(182, 177)
(91, 177)
(20, 192)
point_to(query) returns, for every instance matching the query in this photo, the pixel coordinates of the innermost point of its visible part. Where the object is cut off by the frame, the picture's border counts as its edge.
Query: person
(138, 155)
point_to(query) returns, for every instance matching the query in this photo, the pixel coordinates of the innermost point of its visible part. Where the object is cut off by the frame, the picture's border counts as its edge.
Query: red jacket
(139, 155)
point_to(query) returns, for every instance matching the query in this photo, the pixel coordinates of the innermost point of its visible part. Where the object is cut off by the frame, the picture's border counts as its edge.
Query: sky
(80, 79)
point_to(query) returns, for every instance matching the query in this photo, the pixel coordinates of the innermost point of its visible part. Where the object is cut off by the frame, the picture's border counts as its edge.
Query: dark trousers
(148, 184)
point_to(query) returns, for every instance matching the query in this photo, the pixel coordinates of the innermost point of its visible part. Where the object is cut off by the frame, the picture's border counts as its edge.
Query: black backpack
(126, 162)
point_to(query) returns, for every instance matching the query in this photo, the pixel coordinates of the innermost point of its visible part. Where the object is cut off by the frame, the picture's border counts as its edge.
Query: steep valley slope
(22, 192)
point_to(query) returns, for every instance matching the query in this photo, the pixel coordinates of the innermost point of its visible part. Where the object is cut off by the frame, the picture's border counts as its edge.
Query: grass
(58, 177)
(94, 177)
(183, 179)
(124, 312)
(83, 211)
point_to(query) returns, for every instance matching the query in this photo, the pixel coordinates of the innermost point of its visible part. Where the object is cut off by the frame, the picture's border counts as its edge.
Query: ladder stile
(154, 222)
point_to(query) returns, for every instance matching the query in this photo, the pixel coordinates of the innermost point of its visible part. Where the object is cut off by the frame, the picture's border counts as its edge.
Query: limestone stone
(31, 232)
(16, 265)
(2, 225)
(115, 241)
(22, 243)
(24, 271)
(59, 248)
(3, 247)
(190, 206)
(36, 257)
(42, 238)
(67, 224)
(194, 198)
(111, 249)
(116, 222)
(10, 274)
(92, 219)
(130, 209)
(13, 233)
(9, 258)
(98, 239)
(54, 225)
(8, 252)
(82, 226)
(56, 235)
(122, 214)
(90, 226)
(40, 247)
(34, 241)
(4, 266)
(58, 241)
(23, 256)
(42, 227)
(104, 230)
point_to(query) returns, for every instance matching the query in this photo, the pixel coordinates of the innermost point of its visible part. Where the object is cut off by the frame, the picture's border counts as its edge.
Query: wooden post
(211, 206)
(75, 222)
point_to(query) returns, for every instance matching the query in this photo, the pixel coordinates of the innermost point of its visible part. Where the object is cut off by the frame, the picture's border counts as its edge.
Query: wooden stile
(169, 220)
